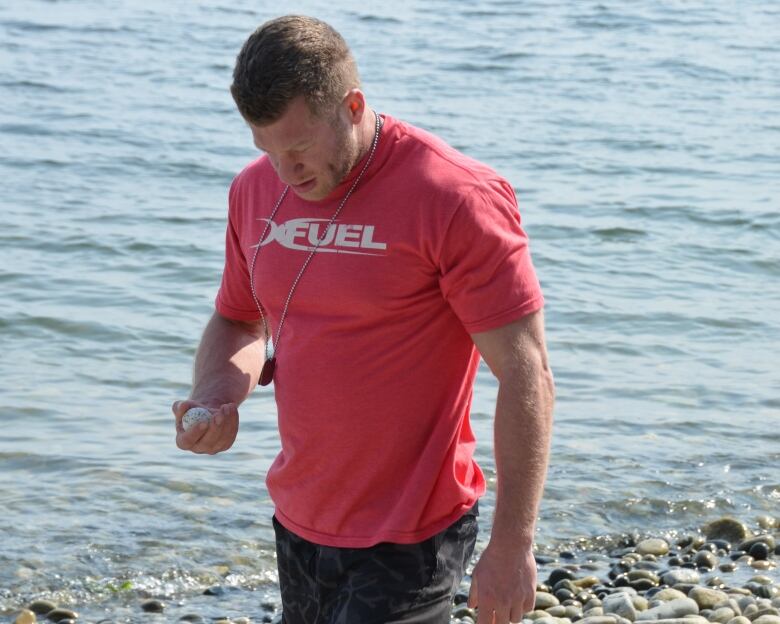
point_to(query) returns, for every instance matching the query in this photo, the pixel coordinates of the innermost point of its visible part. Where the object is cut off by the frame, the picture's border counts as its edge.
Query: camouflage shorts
(385, 584)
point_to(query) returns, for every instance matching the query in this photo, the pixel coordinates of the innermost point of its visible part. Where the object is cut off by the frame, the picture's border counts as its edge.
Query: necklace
(271, 345)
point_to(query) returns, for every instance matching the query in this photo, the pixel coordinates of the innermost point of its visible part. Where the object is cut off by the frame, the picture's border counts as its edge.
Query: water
(642, 139)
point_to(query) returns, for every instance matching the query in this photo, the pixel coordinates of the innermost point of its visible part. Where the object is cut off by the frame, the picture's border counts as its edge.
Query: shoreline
(724, 573)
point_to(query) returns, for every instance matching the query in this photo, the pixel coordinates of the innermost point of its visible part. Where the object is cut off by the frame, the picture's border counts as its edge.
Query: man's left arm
(503, 583)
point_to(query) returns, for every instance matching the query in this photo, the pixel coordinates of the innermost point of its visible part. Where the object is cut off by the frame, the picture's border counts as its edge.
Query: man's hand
(212, 437)
(503, 585)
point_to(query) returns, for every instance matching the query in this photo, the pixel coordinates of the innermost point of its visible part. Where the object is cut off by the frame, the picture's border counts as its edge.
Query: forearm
(228, 361)
(522, 433)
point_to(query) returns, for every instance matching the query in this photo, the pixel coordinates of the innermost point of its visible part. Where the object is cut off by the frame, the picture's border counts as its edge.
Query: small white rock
(193, 416)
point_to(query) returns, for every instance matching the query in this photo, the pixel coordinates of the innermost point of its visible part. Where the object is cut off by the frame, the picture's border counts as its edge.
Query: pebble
(41, 607)
(767, 619)
(707, 598)
(668, 594)
(545, 601)
(740, 619)
(680, 575)
(58, 615)
(705, 559)
(727, 529)
(759, 551)
(766, 538)
(761, 564)
(26, 617)
(657, 547)
(620, 604)
(153, 606)
(598, 619)
(670, 610)
(722, 615)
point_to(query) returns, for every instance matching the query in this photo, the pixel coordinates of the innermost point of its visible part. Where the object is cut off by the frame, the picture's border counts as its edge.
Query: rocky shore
(722, 574)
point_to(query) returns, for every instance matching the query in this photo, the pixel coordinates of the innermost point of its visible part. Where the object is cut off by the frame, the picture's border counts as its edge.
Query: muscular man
(368, 266)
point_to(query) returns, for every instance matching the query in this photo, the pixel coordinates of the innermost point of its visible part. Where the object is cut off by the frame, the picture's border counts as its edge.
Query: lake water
(643, 142)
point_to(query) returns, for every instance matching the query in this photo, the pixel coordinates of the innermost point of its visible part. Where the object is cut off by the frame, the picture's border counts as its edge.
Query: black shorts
(385, 584)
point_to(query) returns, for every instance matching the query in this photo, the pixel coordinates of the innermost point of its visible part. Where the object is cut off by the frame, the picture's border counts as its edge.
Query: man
(368, 265)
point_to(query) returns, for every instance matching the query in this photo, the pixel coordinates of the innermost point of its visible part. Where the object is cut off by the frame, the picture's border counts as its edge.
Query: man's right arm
(227, 367)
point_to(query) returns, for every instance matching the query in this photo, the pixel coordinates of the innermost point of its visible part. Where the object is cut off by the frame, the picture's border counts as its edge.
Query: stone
(670, 610)
(58, 614)
(768, 522)
(215, 590)
(759, 551)
(766, 538)
(537, 614)
(573, 613)
(593, 612)
(586, 582)
(707, 598)
(598, 619)
(705, 559)
(242, 620)
(26, 616)
(193, 416)
(679, 576)
(728, 566)
(557, 611)
(643, 584)
(750, 610)
(559, 574)
(41, 607)
(761, 564)
(621, 605)
(194, 618)
(640, 603)
(767, 619)
(665, 595)
(657, 547)
(153, 606)
(740, 619)
(727, 529)
(545, 601)
(722, 615)
(635, 575)
(464, 612)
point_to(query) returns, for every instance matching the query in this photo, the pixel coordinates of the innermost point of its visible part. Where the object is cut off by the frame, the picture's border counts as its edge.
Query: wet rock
(461, 612)
(768, 522)
(766, 538)
(194, 618)
(665, 595)
(642, 584)
(657, 547)
(586, 582)
(58, 614)
(557, 611)
(670, 610)
(242, 619)
(558, 574)
(716, 582)
(153, 606)
(768, 592)
(707, 598)
(460, 597)
(26, 616)
(722, 615)
(543, 560)
(573, 613)
(759, 551)
(215, 590)
(728, 566)
(544, 601)
(598, 619)
(41, 607)
(705, 559)
(621, 605)
(563, 594)
(679, 576)
(761, 564)
(727, 529)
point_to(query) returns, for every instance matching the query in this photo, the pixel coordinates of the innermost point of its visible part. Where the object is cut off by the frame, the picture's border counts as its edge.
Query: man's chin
(312, 191)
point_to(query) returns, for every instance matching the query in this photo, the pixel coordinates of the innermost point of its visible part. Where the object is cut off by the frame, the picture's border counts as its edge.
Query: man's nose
(289, 170)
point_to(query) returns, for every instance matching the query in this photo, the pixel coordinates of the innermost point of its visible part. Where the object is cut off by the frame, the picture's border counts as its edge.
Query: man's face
(312, 154)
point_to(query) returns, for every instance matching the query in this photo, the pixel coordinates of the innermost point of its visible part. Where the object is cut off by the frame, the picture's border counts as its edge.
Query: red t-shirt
(375, 365)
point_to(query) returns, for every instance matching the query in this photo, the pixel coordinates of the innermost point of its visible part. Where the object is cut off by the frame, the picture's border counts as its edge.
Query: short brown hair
(288, 57)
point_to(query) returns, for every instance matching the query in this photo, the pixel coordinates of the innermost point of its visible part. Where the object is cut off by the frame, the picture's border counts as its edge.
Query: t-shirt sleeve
(486, 273)
(234, 298)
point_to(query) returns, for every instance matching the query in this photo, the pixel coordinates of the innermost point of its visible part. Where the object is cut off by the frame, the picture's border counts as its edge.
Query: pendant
(267, 372)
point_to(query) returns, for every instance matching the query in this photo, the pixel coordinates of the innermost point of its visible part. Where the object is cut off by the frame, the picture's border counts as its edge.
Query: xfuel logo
(302, 235)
